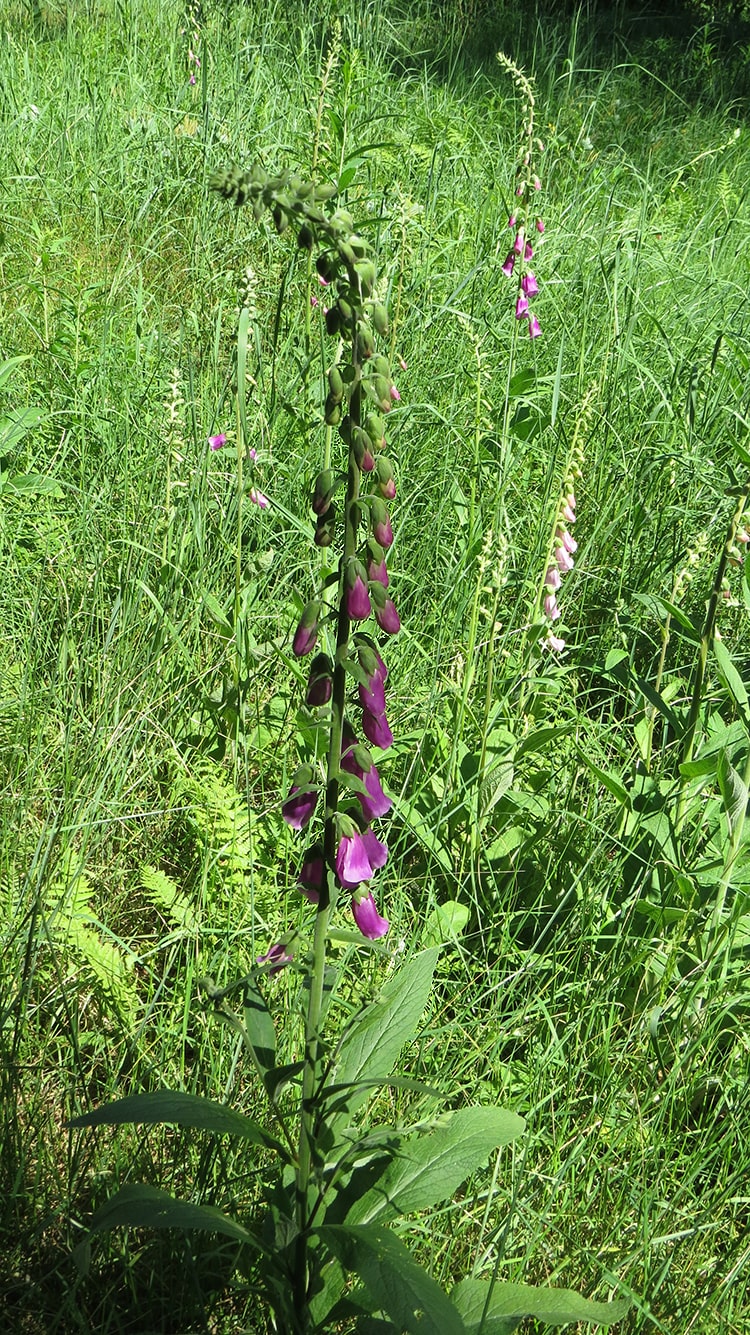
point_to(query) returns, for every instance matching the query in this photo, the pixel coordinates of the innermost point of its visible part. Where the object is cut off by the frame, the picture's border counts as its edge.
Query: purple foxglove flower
(395, 394)
(370, 661)
(378, 572)
(522, 306)
(192, 80)
(568, 512)
(319, 681)
(358, 603)
(528, 252)
(508, 264)
(376, 729)
(372, 696)
(252, 454)
(299, 807)
(554, 642)
(529, 284)
(217, 441)
(388, 618)
(520, 189)
(306, 634)
(535, 328)
(368, 919)
(377, 851)
(352, 863)
(313, 300)
(567, 540)
(551, 609)
(259, 499)
(388, 489)
(312, 871)
(278, 956)
(552, 579)
(512, 221)
(536, 183)
(381, 524)
(564, 561)
(518, 241)
(375, 803)
(570, 500)
(540, 226)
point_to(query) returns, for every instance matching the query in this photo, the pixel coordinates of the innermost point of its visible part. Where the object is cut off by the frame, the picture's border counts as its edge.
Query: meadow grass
(144, 755)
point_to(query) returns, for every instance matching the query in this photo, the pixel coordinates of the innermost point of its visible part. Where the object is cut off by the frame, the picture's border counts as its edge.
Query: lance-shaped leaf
(139, 1206)
(431, 1167)
(396, 1284)
(259, 1025)
(173, 1106)
(370, 1048)
(498, 1309)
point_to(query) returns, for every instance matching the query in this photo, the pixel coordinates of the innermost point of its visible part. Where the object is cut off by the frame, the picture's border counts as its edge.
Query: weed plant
(571, 825)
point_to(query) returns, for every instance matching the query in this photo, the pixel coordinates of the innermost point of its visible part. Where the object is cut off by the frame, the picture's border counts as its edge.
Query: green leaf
(504, 1306)
(397, 1285)
(259, 1025)
(173, 1106)
(139, 1206)
(33, 484)
(734, 792)
(8, 366)
(19, 424)
(446, 923)
(370, 1048)
(731, 677)
(431, 1167)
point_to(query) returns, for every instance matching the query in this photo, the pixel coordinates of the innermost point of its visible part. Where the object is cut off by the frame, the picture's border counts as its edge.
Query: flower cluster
(257, 497)
(563, 548)
(193, 31)
(524, 221)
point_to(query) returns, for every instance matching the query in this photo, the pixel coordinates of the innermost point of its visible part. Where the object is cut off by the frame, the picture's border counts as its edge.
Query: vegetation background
(144, 758)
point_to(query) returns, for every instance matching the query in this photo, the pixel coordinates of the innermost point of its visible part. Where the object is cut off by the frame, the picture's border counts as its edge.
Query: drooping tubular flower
(367, 918)
(299, 807)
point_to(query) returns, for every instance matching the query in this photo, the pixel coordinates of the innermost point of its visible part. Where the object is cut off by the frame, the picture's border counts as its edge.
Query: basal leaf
(180, 1109)
(506, 1305)
(259, 1025)
(396, 1284)
(430, 1167)
(370, 1048)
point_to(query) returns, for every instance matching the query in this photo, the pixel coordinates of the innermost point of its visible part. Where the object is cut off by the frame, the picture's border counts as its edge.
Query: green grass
(577, 995)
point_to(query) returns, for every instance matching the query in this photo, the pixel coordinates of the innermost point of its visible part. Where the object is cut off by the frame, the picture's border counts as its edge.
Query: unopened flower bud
(322, 491)
(306, 634)
(375, 428)
(384, 477)
(358, 604)
(365, 345)
(332, 411)
(335, 384)
(362, 447)
(380, 319)
(381, 523)
(388, 618)
(319, 682)
(382, 390)
(325, 529)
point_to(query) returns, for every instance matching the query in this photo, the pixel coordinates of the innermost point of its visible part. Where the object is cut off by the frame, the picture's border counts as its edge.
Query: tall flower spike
(522, 219)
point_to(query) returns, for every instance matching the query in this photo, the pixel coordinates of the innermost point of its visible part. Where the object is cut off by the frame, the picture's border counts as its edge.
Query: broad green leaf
(33, 484)
(731, 677)
(507, 1305)
(8, 366)
(17, 425)
(339, 1095)
(431, 1167)
(734, 792)
(173, 1106)
(662, 608)
(445, 923)
(259, 1025)
(397, 1285)
(370, 1048)
(139, 1206)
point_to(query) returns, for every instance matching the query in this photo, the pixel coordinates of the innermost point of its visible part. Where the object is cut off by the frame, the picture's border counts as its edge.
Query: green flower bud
(323, 192)
(326, 267)
(381, 391)
(365, 341)
(382, 366)
(325, 529)
(380, 318)
(347, 254)
(333, 320)
(336, 384)
(358, 245)
(365, 270)
(375, 428)
(332, 411)
(305, 237)
(346, 309)
(345, 429)
(322, 491)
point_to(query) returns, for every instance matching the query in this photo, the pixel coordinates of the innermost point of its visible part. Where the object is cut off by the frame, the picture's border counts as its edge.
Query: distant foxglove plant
(525, 220)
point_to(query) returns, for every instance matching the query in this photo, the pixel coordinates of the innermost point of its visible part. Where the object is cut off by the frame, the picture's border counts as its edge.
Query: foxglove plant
(339, 1184)
(525, 221)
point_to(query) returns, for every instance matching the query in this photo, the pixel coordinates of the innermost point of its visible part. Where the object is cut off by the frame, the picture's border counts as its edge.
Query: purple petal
(376, 729)
(299, 807)
(372, 696)
(358, 600)
(368, 919)
(352, 863)
(217, 441)
(388, 618)
(377, 851)
(278, 955)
